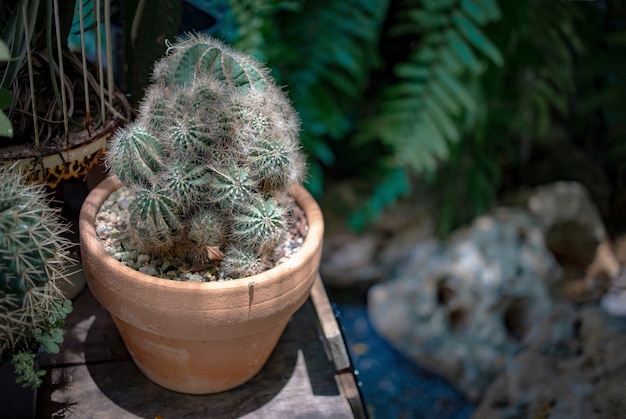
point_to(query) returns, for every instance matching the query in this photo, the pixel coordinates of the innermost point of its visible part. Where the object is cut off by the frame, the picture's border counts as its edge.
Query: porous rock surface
(484, 304)
(464, 307)
(574, 368)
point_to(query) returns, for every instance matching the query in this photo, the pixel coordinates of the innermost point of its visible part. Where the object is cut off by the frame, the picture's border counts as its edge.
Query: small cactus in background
(33, 259)
(210, 159)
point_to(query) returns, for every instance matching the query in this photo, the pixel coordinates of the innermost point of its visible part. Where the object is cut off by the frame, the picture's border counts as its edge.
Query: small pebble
(148, 270)
(143, 258)
(104, 233)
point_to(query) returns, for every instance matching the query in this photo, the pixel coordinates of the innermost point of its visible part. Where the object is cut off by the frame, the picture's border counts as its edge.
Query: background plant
(325, 52)
(6, 129)
(146, 27)
(53, 96)
(518, 103)
(391, 84)
(455, 93)
(210, 159)
(34, 258)
(594, 119)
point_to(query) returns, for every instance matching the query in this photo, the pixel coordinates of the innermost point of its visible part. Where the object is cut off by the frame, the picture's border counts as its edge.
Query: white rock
(463, 308)
(575, 368)
(470, 307)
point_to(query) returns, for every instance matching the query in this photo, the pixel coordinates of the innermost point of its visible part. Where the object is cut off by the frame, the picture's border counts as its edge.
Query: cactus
(33, 258)
(210, 159)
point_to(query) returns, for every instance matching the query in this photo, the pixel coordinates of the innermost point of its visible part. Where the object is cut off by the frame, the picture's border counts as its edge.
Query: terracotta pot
(75, 161)
(199, 338)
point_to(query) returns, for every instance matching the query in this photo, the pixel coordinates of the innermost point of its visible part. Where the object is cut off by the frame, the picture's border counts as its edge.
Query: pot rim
(278, 273)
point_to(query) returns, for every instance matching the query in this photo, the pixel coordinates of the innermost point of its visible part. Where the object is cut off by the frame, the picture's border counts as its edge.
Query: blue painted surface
(391, 385)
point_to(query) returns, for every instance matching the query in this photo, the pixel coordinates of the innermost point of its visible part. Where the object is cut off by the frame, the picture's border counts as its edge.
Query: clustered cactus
(34, 256)
(210, 158)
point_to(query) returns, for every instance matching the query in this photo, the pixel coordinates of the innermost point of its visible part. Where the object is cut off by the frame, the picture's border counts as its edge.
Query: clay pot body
(199, 338)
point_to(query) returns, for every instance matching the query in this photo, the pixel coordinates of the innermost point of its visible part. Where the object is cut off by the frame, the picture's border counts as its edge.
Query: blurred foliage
(452, 92)
(324, 52)
(596, 118)
(146, 25)
(431, 99)
(516, 103)
(6, 129)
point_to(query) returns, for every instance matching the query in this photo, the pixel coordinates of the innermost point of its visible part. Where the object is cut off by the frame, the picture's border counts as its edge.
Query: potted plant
(61, 109)
(33, 261)
(213, 168)
(57, 110)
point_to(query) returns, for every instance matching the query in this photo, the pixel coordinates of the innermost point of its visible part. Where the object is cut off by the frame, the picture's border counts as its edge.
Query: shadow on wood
(94, 376)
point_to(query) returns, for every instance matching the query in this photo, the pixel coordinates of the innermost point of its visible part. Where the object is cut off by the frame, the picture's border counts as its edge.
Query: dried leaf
(214, 253)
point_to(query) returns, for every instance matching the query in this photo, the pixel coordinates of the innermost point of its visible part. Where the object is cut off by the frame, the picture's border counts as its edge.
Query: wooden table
(308, 375)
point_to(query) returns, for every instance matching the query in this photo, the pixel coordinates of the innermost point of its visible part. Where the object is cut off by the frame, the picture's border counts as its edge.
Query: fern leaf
(443, 121)
(331, 50)
(418, 155)
(425, 55)
(551, 96)
(426, 20)
(444, 98)
(438, 5)
(404, 88)
(434, 140)
(451, 62)
(320, 150)
(474, 11)
(411, 71)
(464, 52)
(477, 38)
(393, 186)
(429, 108)
(490, 8)
(458, 90)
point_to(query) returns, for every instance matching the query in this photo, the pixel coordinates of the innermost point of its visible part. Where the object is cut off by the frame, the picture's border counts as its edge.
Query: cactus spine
(210, 158)
(33, 258)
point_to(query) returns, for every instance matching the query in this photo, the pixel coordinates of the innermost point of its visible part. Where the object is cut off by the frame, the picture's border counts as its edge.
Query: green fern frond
(327, 65)
(254, 20)
(476, 37)
(432, 103)
(395, 184)
(432, 93)
(518, 101)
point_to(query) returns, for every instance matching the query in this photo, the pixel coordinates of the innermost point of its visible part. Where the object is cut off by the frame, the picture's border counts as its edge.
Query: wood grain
(94, 377)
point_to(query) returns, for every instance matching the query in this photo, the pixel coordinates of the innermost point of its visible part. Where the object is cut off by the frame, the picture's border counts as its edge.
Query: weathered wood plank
(93, 377)
(330, 327)
(349, 389)
(336, 347)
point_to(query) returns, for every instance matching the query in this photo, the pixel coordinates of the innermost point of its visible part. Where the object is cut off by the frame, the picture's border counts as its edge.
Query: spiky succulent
(34, 256)
(211, 158)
